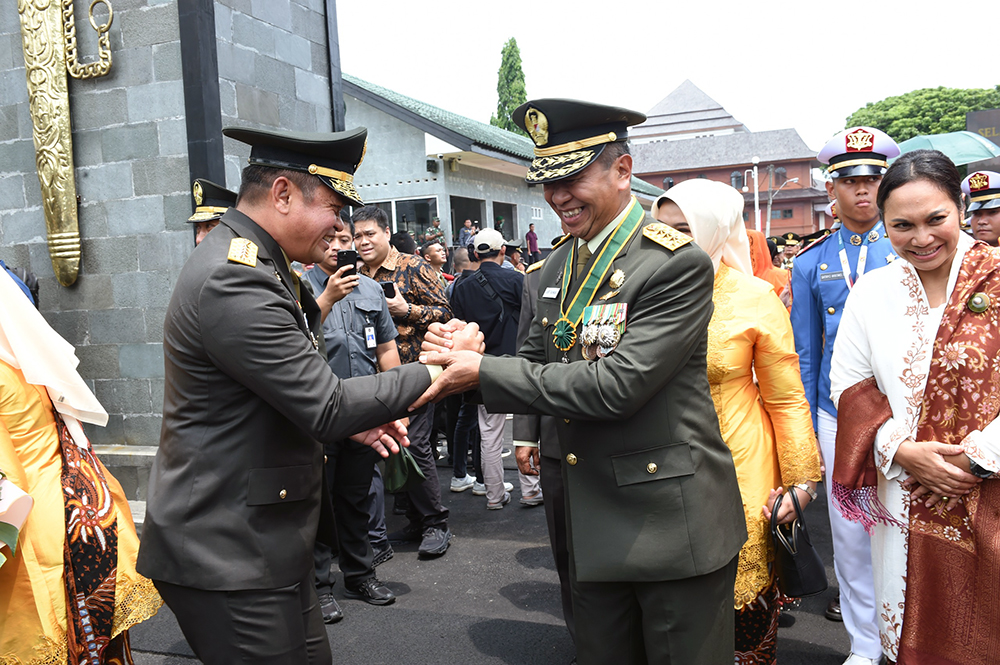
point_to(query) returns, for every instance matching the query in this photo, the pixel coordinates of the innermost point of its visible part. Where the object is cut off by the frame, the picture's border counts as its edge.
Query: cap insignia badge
(855, 240)
(860, 141)
(873, 236)
(243, 251)
(979, 181)
(537, 125)
(199, 195)
(364, 151)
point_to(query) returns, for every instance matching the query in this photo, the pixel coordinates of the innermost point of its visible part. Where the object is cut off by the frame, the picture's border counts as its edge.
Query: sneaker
(372, 591)
(479, 489)
(410, 533)
(500, 504)
(381, 554)
(532, 499)
(435, 542)
(330, 609)
(462, 484)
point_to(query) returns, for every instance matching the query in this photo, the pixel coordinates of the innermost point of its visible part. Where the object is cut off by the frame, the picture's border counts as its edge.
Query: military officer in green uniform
(617, 353)
(211, 202)
(235, 489)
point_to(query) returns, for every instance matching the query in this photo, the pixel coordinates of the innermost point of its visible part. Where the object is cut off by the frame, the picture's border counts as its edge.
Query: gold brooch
(979, 303)
(873, 236)
(617, 279)
(855, 240)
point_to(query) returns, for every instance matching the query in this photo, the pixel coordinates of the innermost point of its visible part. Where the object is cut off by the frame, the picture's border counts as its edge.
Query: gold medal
(855, 240)
(873, 236)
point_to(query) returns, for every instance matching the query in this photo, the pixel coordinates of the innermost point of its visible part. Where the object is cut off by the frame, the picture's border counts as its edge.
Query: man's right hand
(338, 286)
(528, 460)
(456, 335)
(461, 374)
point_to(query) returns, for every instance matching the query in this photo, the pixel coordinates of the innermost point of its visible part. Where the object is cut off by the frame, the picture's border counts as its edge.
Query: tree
(510, 87)
(925, 111)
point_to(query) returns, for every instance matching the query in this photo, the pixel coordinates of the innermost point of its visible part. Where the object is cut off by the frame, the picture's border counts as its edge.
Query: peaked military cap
(333, 157)
(210, 200)
(814, 236)
(858, 151)
(777, 240)
(569, 134)
(983, 188)
(791, 238)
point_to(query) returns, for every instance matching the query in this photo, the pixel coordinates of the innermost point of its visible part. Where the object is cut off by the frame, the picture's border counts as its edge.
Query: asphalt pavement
(492, 598)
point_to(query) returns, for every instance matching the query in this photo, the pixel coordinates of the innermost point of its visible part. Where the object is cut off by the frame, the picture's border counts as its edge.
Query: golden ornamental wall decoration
(48, 38)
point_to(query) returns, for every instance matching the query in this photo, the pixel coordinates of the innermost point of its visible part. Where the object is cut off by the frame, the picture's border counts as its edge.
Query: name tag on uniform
(551, 292)
(831, 277)
(370, 337)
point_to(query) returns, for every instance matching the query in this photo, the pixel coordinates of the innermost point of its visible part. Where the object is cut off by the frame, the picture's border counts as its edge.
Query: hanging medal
(603, 327)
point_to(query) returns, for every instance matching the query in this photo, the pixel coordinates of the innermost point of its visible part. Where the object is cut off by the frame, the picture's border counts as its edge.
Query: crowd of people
(670, 376)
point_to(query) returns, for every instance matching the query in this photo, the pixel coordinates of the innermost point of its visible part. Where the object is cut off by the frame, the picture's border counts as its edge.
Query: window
(736, 179)
(787, 214)
(775, 214)
(780, 176)
(414, 215)
(536, 213)
(746, 217)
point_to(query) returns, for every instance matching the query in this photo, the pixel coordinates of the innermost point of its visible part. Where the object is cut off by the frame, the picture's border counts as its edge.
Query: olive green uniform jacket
(234, 492)
(651, 491)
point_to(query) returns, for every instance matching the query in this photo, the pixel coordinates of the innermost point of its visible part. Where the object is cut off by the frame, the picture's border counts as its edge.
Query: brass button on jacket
(822, 266)
(571, 459)
(282, 494)
(651, 467)
(831, 310)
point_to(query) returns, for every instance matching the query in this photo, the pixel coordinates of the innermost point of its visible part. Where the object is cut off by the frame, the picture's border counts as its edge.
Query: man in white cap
(823, 277)
(983, 189)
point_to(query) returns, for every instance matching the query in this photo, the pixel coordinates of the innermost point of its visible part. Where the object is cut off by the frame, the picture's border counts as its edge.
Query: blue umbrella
(960, 147)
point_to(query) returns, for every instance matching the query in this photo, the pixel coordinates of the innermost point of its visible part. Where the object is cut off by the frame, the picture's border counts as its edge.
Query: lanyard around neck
(845, 266)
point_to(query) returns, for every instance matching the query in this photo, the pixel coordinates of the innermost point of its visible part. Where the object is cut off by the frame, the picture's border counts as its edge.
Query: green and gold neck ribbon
(564, 334)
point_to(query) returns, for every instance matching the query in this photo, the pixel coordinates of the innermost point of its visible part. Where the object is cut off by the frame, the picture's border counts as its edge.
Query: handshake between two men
(457, 348)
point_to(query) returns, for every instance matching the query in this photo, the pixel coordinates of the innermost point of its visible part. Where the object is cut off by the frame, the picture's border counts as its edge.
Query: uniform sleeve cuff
(435, 371)
(525, 444)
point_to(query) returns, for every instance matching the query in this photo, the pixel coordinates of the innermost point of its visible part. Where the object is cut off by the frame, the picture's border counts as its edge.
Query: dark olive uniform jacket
(234, 492)
(646, 404)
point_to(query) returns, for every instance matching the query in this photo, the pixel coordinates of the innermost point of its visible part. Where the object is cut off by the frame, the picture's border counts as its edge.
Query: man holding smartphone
(360, 341)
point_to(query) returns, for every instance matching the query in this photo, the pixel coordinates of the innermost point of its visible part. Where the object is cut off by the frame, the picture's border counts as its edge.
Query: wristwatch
(808, 490)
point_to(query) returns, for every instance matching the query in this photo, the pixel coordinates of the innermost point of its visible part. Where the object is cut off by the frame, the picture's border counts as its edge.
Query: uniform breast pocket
(282, 484)
(670, 461)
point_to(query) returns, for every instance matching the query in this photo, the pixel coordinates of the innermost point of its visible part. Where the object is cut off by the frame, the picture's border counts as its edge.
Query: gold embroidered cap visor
(569, 135)
(333, 157)
(211, 200)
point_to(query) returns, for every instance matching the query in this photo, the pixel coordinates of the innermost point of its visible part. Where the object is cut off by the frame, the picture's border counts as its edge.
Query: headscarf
(28, 343)
(763, 266)
(714, 211)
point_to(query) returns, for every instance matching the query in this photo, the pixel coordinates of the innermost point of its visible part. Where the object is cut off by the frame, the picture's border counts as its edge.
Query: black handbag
(401, 472)
(797, 566)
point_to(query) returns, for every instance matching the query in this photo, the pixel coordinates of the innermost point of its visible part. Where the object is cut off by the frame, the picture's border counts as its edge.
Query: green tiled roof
(479, 133)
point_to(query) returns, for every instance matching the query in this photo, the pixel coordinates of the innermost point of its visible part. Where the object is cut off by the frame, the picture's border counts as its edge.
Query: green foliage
(510, 87)
(925, 111)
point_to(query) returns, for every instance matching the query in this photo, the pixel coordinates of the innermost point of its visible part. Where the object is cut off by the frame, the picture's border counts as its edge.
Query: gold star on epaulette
(665, 235)
(534, 266)
(243, 251)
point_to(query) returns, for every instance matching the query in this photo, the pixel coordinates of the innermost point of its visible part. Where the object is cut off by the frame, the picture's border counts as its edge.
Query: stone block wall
(130, 153)
(274, 69)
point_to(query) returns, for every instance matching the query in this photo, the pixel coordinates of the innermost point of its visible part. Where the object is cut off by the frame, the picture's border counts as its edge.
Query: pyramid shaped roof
(686, 110)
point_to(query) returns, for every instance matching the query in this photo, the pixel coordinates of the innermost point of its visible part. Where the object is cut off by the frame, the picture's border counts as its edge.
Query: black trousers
(349, 469)
(425, 501)
(268, 626)
(689, 621)
(550, 477)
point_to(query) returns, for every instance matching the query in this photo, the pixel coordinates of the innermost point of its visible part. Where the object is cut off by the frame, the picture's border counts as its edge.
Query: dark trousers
(376, 511)
(349, 468)
(274, 626)
(425, 501)
(550, 477)
(689, 621)
(466, 436)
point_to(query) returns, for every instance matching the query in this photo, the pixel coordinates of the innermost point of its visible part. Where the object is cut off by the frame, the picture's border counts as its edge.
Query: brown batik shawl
(951, 615)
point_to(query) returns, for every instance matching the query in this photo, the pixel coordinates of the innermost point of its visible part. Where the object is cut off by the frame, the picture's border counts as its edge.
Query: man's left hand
(461, 374)
(384, 439)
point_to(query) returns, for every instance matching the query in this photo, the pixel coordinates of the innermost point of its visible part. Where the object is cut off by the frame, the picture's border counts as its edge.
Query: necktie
(582, 256)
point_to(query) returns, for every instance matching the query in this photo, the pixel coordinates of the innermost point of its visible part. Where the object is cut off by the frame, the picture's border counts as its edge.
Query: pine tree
(510, 87)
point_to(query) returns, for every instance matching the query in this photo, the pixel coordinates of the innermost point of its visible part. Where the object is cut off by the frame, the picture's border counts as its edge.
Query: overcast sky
(772, 65)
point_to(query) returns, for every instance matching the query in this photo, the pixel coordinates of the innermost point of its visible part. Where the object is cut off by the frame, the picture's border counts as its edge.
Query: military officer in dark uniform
(235, 490)
(823, 277)
(211, 202)
(617, 353)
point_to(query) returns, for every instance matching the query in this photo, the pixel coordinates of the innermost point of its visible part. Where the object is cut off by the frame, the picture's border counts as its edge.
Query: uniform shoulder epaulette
(243, 251)
(668, 236)
(534, 266)
(812, 244)
(561, 242)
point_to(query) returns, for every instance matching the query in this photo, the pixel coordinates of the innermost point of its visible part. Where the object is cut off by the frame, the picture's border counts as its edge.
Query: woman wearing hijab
(763, 266)
(767, 426)
(916, 379)
(79, 541)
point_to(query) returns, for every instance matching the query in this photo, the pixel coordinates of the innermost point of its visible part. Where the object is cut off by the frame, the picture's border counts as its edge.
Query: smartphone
(389, 289)
(347, 257)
